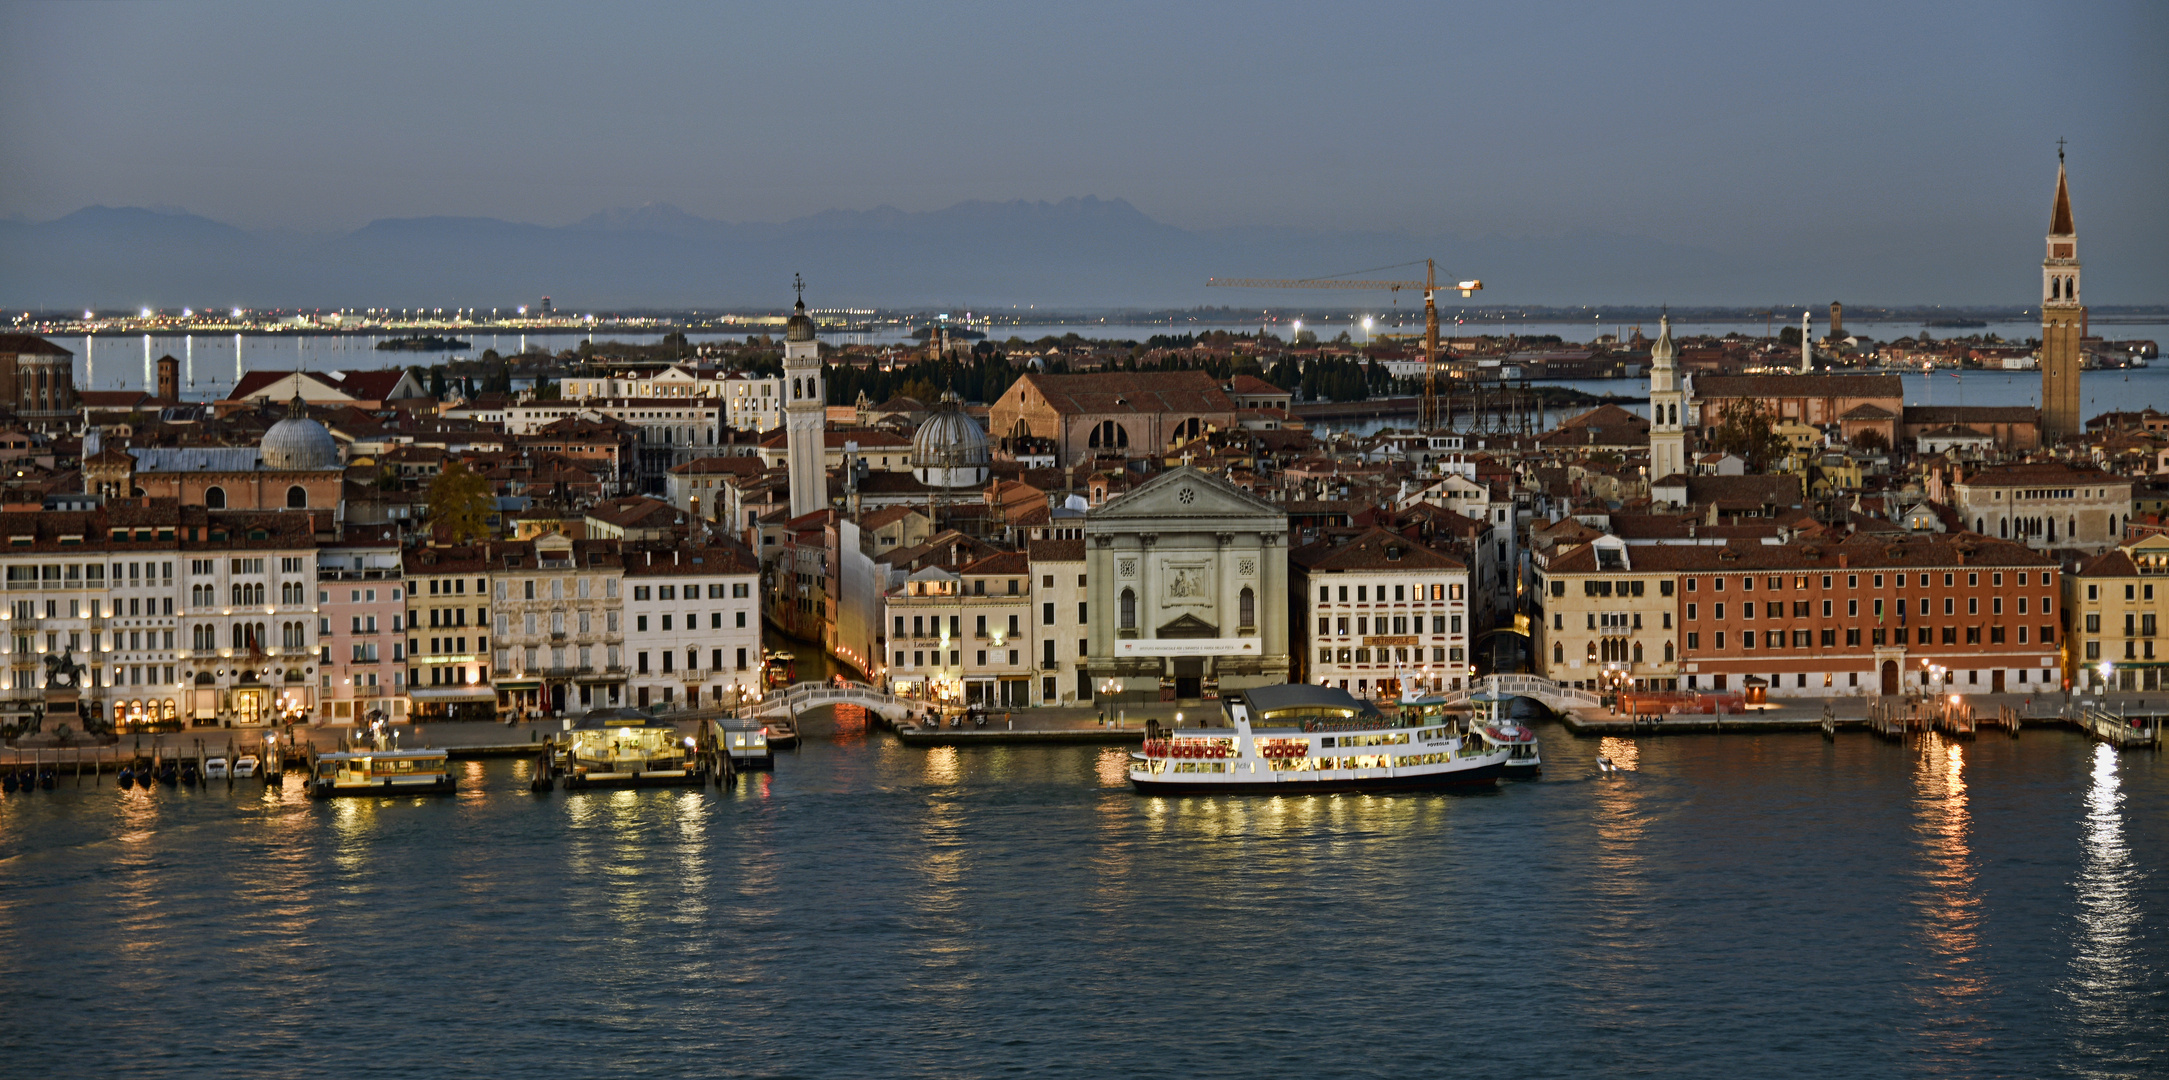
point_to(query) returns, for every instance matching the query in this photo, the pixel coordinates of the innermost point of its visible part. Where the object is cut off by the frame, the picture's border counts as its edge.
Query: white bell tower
(805, 416)
(1667, 404)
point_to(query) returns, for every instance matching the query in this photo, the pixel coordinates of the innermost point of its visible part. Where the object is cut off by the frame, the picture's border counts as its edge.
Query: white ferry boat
(1490, 727)
(1302, 738)
(381, 772)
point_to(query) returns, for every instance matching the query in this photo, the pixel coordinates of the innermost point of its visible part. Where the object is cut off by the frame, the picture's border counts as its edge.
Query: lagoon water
(1736, 906)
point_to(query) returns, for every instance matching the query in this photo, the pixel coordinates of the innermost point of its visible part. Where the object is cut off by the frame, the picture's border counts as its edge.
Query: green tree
(1744, 429)
(1871, 439)
(460, 503)
(436, 383)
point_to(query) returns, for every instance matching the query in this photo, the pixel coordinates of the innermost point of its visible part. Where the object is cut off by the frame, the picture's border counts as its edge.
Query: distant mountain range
(1072, 254)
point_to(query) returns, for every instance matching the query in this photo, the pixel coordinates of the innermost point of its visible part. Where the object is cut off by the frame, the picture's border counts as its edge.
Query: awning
(454, 693)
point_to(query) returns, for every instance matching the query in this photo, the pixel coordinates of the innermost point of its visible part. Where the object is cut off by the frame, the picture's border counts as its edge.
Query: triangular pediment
(1187, 626)
(1184, 496)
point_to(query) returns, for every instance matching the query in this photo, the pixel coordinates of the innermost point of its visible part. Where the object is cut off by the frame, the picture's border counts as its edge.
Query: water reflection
(2105, 984)
(1112, 767)
(1619, 918)
(1948, 907)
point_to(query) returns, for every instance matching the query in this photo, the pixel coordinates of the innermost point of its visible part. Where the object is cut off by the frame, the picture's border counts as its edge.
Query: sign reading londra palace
(1185, 576)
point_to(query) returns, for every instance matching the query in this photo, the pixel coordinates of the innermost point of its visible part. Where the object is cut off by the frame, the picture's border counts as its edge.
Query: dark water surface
(1737, 906)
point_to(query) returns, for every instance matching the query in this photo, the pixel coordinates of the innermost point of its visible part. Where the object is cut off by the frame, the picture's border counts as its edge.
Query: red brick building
(1869, 615)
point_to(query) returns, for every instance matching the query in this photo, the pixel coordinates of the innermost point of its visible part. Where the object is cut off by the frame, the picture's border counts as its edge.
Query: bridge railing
(1554, 694)
(808, 695)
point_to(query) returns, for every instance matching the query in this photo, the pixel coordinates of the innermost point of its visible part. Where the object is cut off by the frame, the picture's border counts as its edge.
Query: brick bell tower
(2063, 320)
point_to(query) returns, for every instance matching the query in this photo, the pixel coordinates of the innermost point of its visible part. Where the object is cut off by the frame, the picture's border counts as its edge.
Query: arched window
(2003, 528)
(1109, 434)
(1667, 652)
(1129, 610)
(2071, 527)
(1558, 653)
(297, 498)
(1591, 652)
(1637, 652)
(692, 658)
(1246, 608)
(214, 497)
(1980, 525)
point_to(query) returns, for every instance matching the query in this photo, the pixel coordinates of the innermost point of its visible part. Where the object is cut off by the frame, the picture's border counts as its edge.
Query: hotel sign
(1225, 646)
(1389, 641)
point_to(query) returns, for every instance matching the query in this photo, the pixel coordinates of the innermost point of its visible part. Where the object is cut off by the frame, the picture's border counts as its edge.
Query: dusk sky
(1844, 132)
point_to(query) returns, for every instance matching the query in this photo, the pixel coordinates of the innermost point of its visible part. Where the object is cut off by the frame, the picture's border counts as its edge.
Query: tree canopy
(1744, 430)
(460, 503)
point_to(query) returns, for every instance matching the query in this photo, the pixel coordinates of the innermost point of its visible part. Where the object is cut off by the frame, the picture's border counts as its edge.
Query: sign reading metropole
(1220, 646)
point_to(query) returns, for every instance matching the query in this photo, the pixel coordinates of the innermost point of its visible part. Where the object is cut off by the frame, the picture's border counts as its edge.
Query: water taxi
(626, 748)
(1501, 732)
(381, 772)
(1302, 738)
(779, 668)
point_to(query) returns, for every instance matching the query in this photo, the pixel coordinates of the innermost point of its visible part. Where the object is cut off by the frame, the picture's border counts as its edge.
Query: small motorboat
(7, 783)
(245, 766)
(215, 769)
(47, 779)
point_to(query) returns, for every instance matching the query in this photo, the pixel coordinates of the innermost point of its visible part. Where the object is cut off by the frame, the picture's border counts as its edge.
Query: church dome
(949, 450)
(800, 325)
(299, 444)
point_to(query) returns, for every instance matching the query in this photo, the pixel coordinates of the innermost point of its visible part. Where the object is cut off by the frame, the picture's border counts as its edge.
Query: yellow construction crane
(1430, 286)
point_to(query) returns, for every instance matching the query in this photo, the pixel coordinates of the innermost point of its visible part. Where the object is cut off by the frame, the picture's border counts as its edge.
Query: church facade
(1187, 585)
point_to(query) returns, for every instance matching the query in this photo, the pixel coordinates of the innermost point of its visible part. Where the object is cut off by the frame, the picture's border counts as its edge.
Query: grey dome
(949, 450)
(800, 325)
(299, 444)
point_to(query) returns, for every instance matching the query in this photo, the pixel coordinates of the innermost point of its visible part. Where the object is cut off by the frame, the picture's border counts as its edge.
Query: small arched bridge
(1558, 697)
(800, 697)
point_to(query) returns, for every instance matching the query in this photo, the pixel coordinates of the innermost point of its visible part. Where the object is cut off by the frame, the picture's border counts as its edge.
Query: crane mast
(1429, 420)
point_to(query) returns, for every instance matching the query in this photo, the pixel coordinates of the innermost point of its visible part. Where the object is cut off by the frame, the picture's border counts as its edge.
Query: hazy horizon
(1691, 152)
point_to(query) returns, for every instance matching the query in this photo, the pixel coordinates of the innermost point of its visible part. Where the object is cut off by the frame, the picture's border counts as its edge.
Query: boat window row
(1397, 738)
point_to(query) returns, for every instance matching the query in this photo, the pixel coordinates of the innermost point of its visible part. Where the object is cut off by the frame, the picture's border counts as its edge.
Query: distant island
(1955, 324)
(424, 343)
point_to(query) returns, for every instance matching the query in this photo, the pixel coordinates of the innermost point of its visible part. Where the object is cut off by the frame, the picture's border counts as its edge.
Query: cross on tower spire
(2059, 151)
(798, 284)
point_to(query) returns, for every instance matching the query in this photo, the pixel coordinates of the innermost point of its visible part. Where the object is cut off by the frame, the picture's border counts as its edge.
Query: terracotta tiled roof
(30, 345)
(1057, 550)
(1131, 392)
(1858, 552)
(1376, 549)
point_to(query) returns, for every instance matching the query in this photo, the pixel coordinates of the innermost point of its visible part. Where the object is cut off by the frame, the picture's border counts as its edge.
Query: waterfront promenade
(1077, 725)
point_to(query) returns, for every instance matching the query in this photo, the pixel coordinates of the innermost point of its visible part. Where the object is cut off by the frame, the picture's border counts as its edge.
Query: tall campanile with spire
(1667, 436)
(2063, 320)
(805, 412)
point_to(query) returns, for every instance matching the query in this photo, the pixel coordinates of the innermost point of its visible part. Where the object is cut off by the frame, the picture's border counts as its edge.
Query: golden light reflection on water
(942, 765)
(2105, 986)
(134, 895)
(1619, 919)
(1623, 752)
(1948, 907)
